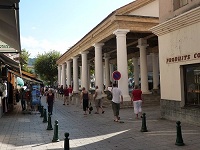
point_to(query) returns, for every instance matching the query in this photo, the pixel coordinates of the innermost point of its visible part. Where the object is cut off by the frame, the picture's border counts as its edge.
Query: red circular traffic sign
(116, 75)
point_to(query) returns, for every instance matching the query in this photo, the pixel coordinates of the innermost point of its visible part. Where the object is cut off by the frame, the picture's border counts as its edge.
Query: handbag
(90, 107)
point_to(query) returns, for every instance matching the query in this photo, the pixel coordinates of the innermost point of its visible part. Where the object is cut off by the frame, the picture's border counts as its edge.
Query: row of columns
(121, 67)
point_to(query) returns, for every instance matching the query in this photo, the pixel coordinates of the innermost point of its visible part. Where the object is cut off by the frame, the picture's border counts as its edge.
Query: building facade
(179, 57)
(124, 34)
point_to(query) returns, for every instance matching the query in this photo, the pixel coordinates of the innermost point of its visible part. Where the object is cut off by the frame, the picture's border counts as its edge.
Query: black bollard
(42, 111)
(55, 136)
(49, 127)
(144, 127)
(45, 116)
(66, 141)
(179, 139)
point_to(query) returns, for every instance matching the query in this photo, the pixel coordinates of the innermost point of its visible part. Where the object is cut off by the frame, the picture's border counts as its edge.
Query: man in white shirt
(98, 100)
(116, 99)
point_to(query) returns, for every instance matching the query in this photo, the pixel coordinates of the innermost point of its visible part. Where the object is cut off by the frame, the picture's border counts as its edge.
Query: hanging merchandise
(20, 81)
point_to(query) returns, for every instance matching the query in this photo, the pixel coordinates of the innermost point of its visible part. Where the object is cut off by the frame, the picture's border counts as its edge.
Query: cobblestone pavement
(95, 131)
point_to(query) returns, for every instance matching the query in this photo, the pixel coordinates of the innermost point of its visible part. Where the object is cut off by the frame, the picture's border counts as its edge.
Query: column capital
(121, 31)
(75, 57)
(142, 43)
(106, 55)
(98, 44)
(84, 52)
(68, 61)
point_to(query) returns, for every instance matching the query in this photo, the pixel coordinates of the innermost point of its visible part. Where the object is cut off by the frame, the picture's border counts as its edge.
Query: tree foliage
(46, 67)
(24, 56)
(130, 68)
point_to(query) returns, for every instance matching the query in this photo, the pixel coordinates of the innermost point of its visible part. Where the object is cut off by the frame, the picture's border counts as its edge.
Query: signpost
(116, 75)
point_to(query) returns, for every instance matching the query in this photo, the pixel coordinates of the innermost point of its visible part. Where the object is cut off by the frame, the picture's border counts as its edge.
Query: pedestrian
(136, 100)
(98, 100)
(61, 90)
(85, 100)
(117, 98)
(50, 100)
(66, 95)
(23, 99)
(70, 92)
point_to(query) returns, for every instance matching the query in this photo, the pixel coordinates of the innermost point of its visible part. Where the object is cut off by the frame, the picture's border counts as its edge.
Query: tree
(46, 67)
(130, 68)
(24, 56)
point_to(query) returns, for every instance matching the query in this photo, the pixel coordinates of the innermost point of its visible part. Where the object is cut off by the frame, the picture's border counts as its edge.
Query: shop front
(179, 58)
(192, 85)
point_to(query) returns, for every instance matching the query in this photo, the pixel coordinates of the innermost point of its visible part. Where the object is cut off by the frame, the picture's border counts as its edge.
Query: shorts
(137, 106)
(98, 102)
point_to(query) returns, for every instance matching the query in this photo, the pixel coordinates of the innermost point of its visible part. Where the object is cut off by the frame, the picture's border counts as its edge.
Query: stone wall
(172, 110)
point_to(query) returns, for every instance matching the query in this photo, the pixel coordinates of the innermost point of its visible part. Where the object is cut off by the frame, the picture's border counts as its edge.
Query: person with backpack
(23, 99)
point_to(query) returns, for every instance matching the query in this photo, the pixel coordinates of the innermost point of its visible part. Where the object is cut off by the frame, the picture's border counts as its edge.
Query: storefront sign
(183, 58)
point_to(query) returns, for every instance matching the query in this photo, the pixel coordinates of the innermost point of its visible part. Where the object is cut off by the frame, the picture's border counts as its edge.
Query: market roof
(9, 26)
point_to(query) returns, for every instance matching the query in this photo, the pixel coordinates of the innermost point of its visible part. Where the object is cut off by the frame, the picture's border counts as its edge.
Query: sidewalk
(95, 131)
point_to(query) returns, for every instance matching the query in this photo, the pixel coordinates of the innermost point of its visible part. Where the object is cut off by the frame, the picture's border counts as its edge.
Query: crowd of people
(85, 100)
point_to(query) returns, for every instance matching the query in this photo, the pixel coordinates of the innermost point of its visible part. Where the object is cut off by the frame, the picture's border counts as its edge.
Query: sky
(47, 25)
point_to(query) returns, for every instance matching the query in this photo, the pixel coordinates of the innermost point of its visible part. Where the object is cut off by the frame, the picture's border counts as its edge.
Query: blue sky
(58, 24)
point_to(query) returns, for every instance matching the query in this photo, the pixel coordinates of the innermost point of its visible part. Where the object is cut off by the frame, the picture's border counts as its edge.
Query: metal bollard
(179, 139)
(42, 111)
(66, 141)
(49, 126)
(45, 116)
(144, 127)
(55, 136)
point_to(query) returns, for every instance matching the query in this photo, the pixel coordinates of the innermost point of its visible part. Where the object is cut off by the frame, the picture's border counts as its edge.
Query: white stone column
(89, 80)
(64, 75)
(155, 70)
(107, 70)
(69, 72)
(84, 80)
(142, 45)
(136, 70)
(80, 67)
(122, 61)
(111, 71)
(59, 75)
(98, 65)
(75, 75)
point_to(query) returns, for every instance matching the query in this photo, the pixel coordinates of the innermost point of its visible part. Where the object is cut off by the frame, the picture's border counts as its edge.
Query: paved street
(95, 131)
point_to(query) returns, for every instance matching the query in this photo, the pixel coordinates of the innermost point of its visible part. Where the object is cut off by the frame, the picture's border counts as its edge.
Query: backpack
(109, 95)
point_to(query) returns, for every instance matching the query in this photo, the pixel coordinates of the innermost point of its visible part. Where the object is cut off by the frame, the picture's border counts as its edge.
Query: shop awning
(9, 26)
(9, 62)
(25, 76)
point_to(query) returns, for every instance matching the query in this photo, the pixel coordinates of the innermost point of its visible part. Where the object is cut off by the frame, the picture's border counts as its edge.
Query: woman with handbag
(85, 100)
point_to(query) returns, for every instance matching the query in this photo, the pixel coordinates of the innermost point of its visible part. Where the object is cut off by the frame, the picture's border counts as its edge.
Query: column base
(126, 102)
(146, 92)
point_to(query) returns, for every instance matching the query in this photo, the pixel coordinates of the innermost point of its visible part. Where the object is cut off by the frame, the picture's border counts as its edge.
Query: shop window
(179, 3)
(192, 85)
